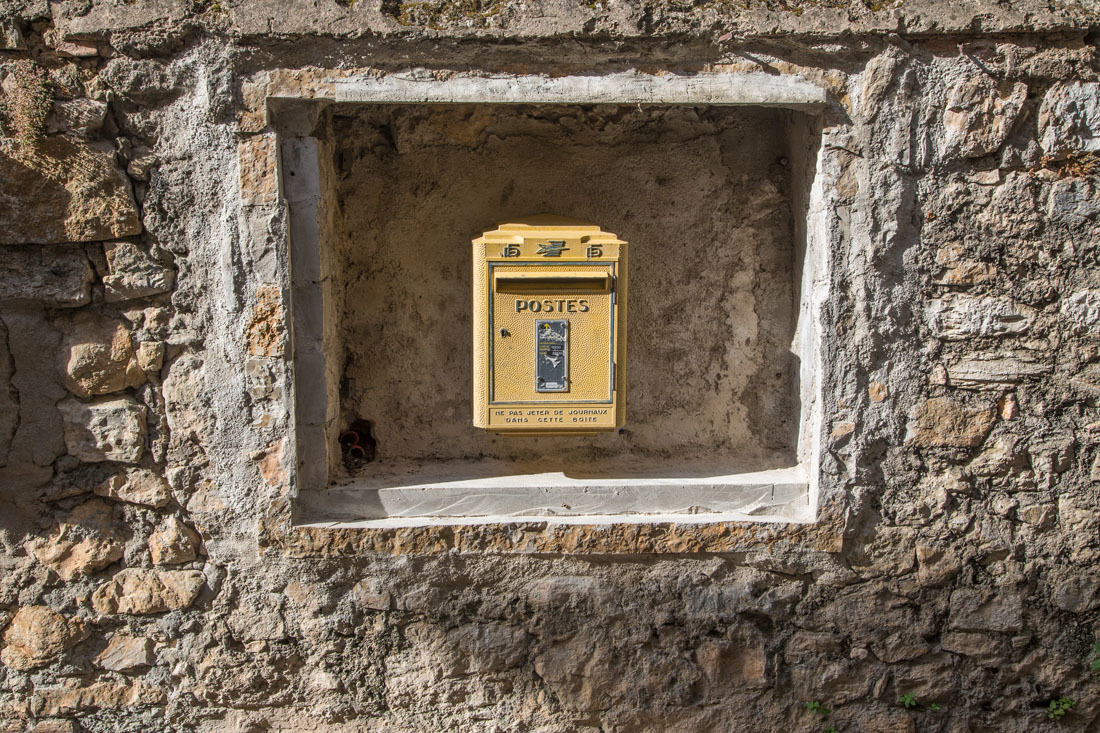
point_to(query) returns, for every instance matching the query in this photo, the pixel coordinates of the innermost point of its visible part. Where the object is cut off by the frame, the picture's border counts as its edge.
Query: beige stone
(99, 357)
(63, 190)
(137, 486)
(73, 696)
(37, 635)
(134, 273)
(733, 664)
(943, 422)
(978, 609)
(138, 591)
(125, 653)
(266, 328)
(107, 429)
(150, 357)
(980, 113)
(173, 542)
(959, 317)
(88, 539)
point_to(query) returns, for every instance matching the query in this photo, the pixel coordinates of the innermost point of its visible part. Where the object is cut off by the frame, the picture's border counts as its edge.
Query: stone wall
(153, 577)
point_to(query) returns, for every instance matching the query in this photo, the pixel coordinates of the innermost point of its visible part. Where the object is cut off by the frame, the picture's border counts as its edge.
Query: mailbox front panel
(549, 328)
(540, 328)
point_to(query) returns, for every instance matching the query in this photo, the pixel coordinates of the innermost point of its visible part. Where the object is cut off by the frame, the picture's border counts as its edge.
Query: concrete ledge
(496, 492)
(419, 86)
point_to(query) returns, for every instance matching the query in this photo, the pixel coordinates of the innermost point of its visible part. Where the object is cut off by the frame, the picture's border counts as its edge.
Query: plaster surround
(352, 167)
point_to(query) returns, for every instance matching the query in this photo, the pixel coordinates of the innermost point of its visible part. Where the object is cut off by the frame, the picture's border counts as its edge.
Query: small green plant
(1094, 663)
(1058, 708)
(908, 700)
(817, 708)
(831, 730)
(933, 707)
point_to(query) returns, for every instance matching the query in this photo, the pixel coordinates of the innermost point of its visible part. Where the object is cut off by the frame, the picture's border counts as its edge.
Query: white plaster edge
(598, 520)
(631, 87)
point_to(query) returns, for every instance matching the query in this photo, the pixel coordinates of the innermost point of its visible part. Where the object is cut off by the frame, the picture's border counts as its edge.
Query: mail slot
(549, 322)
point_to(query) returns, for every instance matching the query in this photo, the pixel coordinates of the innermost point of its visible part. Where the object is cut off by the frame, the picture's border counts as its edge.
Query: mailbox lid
(567, 239)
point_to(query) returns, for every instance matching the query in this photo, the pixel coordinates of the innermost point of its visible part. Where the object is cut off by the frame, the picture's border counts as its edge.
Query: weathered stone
(35, 387)
(900, 647)
(988, 650)
(1069, 119)
(125, 653)
(737, 664)
(99, 357)
(1073, 201)
(59, 276)
(137, 486)
(805, 645)
(105, 429)
(1078, 593)
(997, 458)
(958, 317)
(63, 190)
(980, 114)
(37, 635)
(133, 273)
(975, 609)
(83, 117)
(11, 39)
(88, 539)
(943, 422)
(266, 329)
(75, 696)
(995, 369)
(1082, 310)
(173, 542)
(839, 682)
(150, 357)
(928, 678)
(958, 269)
(936, 566)
(139, 591)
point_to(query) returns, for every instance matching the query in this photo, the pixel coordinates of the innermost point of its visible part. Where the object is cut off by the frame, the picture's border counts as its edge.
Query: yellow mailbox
(549, 328)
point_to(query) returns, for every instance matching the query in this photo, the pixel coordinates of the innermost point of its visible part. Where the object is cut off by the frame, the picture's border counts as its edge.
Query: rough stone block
(1073, 201)
(980, 114)
(1082, 310)
(137, 486)
(37, 635)
(138, 591)
(173, 542)
(99, 357)
(995, 369)
(133, 273)
(63, 190)
(1069, 119)
(125, 653)
(978, 609)
(59, 276)
(1078, 593)
(943, 422)
(86, 540)
(959, 317)
(104, 430)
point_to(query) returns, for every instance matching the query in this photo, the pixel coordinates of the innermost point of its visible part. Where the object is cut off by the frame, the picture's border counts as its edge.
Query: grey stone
(996, 369)
(958, 317)
(1082, 310)
(1069, 119)
(133, 273)
(1073, 201)
(59, 276)
(34, 343)
(1078, 593)
(11, 39)
(976, 609)
(106, 429)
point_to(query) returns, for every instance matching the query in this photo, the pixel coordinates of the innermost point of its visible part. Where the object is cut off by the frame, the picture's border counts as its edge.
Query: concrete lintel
(632, 87)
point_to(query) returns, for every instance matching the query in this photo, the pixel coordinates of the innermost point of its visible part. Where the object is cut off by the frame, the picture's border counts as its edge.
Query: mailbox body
(549, 328)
